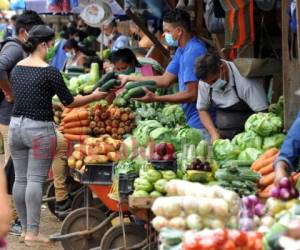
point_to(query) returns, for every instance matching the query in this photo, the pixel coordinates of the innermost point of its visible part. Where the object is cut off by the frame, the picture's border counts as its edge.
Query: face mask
(219, 84)
(128, 71)
(69, 55)
(77, 39)
(170, 41)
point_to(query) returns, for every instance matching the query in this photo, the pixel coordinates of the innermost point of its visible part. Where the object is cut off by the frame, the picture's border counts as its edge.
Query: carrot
(266, 169)
(77, 131)
(77, 116)
(265, 192)
(75, 124)
(267, 179)
(270, 152)
(66, 111)
(262, 162)
(71, 137)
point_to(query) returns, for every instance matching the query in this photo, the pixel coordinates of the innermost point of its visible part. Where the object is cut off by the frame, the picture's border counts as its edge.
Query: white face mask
(70, 55)
(219, 84)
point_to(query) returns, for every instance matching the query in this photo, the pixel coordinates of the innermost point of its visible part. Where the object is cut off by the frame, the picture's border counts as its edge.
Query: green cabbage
(264, 124)
(273, 141)
(223, 149)
(191, 136)
(249, 154)
(248, 140)
(161, 134)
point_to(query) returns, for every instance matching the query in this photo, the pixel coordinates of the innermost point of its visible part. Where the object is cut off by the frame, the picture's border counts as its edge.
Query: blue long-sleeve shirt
(290, 150)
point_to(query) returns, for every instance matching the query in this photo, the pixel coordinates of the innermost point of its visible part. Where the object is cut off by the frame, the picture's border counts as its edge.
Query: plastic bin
(126, 184)
(98, 174)
(165, 165)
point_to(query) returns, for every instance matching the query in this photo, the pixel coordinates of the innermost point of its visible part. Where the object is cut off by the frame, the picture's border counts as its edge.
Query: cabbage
(248, 140)
(225, 150)
(264, 124)
(274, 141)
(161, 134)
(249, 154)
(189, 136)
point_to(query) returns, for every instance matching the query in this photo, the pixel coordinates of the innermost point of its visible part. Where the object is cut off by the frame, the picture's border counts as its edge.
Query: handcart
(90, 227)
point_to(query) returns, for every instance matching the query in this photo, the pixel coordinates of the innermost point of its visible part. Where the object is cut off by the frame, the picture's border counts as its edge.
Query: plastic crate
(126, 184)
(98, 174)
(165, 165)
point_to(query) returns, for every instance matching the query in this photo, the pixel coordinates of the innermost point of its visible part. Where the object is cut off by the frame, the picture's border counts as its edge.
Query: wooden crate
(141, 202)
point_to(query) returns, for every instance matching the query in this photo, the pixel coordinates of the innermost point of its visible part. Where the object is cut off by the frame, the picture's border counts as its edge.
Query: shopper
(75, 56)
(32, 137)
(177, 28)
(124, 62)
(11, 53)
(112, 38)
(233, 96)
(289, 154)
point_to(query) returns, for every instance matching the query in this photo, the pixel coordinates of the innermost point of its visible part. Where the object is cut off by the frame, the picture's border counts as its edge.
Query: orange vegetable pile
(264, 166)
(222, 239)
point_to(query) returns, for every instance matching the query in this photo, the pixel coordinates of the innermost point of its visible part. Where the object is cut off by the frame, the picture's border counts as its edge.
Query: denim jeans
(32, 144)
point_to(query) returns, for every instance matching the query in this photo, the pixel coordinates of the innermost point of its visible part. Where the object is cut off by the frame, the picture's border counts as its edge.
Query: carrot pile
(75, 124)
(264, 166)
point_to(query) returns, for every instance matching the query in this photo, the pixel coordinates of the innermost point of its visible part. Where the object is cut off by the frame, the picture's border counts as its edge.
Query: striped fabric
(239, 22)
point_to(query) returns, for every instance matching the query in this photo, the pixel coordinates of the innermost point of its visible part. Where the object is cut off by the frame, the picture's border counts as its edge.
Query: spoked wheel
(79, 201)
(113, 238)
(76, 221)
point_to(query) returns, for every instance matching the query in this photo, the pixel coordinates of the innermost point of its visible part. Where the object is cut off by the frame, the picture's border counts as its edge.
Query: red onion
(246, 202)
(260, 209)
(254, 200)
(284, 183)
(284, 194)
(275, 193)
(247, 224)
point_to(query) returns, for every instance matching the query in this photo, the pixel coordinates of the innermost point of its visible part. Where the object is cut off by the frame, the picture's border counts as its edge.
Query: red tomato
(258, 244)
(220, 236)
(207, 244)
(190, 241)
(229, 245)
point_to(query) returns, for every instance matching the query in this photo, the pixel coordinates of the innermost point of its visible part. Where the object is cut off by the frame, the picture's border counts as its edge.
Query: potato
(78, 155)
(101, 159)
(79, 164)
(121, 131)
(71, 162)
(77, 147)
(90, 159)
(113, 156)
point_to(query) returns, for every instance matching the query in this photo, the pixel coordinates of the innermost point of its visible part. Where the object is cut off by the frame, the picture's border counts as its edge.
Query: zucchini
(75, 69)
(105, 78)
(109, 85)
(139, 91)
(132, 85)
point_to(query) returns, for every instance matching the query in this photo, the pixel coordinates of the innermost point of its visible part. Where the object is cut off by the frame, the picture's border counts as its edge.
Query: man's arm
(163, 81)
(206, 120)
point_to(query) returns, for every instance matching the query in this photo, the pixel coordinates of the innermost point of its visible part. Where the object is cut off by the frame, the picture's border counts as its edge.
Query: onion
(260, 209)
(246, 202)
(284, 194)
(247, 224)
(275, 192)
(253, 199)
(284, 183)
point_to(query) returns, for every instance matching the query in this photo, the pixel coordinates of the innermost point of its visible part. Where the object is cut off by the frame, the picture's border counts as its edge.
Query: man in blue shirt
(177, 31)
(289, 154)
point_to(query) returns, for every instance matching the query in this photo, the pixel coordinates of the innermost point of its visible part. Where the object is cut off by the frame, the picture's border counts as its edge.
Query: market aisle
(49, 225)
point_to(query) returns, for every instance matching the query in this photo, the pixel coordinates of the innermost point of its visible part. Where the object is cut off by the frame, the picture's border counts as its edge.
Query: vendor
(177, 28)
(289, 155)
(75, 57)
(233, 96)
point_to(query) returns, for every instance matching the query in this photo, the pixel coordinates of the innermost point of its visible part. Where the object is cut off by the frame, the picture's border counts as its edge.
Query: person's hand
(215, 136)
(9, 97)
(148, 97)
(110, 97)
(124, 79)
(98, 95)
(280, 172)
(5, 217)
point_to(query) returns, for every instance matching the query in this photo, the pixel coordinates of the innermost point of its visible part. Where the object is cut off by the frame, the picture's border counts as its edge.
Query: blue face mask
(219, 84)
(170, 41)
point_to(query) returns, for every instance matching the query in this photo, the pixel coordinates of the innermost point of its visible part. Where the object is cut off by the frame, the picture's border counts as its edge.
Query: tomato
(242, 239)
(190, 241)
(258, 244)
(220, 236)
(207, 244)
(229, 245)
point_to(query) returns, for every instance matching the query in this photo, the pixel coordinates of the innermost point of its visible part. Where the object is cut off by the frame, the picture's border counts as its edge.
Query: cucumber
(202, 150)
(139, 91)
(109, 85)
(132, 85)
(105, 78)
(75, 69)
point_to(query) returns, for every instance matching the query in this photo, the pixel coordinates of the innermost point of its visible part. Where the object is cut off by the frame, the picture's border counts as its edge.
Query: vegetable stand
(89, 227)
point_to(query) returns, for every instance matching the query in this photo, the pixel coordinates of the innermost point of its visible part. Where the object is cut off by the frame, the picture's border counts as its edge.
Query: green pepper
(169, 175)
(153, 175)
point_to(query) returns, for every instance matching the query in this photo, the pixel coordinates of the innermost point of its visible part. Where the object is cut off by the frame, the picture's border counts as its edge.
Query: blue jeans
(32, 144)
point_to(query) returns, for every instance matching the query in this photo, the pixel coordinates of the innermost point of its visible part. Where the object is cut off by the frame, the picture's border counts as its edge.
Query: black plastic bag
(10, 175)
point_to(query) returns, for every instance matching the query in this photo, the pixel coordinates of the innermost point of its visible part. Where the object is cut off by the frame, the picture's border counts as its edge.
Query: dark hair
(93, 59)
(14, 17)
(71, 44)
(207, 65)
(27, 20)
(72, 30)
(125, 55)
(37, 35)
(178, 17)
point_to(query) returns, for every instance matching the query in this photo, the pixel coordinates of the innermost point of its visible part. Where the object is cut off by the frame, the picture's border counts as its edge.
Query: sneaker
(16, 228)
(63, 208)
